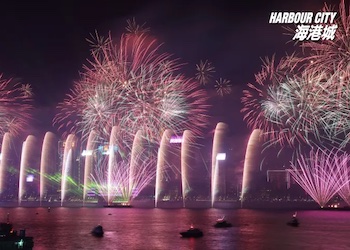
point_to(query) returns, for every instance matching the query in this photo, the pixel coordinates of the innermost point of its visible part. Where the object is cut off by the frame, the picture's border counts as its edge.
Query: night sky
(44, 43)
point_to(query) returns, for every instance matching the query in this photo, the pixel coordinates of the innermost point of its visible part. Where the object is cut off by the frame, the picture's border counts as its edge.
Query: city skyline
(136, 77)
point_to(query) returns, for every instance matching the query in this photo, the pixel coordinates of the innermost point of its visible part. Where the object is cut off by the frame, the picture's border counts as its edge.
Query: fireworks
(134, 27)
(223, 87)
(204, 75)
(15, 106)
(204, 72)
(322, 174)
(331, 55)
(305, 99)
(331, 58)
(26, 90)
(265, 104)
(125, 183)
(134, 87)
(299, 107)
(344, 191)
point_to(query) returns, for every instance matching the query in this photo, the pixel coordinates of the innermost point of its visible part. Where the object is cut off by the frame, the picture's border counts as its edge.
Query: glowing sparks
(321, 174)
(134, 27)
(305, 100)
(299, 107)
(26, 90)
(223, 87)
(204, 71)
(15, 106)
(123, 183)
(331, 55)
(134, 87)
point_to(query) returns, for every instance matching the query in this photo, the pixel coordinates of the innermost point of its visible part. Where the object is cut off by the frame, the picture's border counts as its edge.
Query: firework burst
(294, 107)
(134, 87)
(264, 102)
(321, 174)
(15, 106)
(204, 72)
(331, 55)
(223, 87)
(125, 184)
(134, 27)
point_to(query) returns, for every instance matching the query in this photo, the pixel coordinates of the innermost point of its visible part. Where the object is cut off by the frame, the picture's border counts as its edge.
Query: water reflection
(69, 228)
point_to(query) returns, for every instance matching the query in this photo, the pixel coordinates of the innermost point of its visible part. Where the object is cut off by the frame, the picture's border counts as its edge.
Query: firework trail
(133, 86)
(344, 191)
(116, 184)
(321, 174)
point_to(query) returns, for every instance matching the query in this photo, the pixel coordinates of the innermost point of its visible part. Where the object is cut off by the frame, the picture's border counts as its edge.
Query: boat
(9, 239)
(97, 231)
(221, 223)
(294, 221)
(192, 232)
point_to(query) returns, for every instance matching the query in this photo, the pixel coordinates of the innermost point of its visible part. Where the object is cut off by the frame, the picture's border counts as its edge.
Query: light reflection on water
(134, 228)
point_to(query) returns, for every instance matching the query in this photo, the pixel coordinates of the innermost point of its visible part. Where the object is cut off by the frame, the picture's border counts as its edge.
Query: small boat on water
(192, 233)
(221, 223)
(294, 221)
(97, 231)
(9, 239)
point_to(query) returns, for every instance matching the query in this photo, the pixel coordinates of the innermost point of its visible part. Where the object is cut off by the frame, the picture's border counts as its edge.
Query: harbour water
(155, 228)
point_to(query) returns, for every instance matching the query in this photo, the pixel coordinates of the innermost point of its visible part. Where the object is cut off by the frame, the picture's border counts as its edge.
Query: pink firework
(123, 182)
(264, 101)
(294, 105)
(15, 106)
(331, 55)
(322, 174)
(223, 87)
(305, 99)
(134, 27)
(133, 86)
(205, 69)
